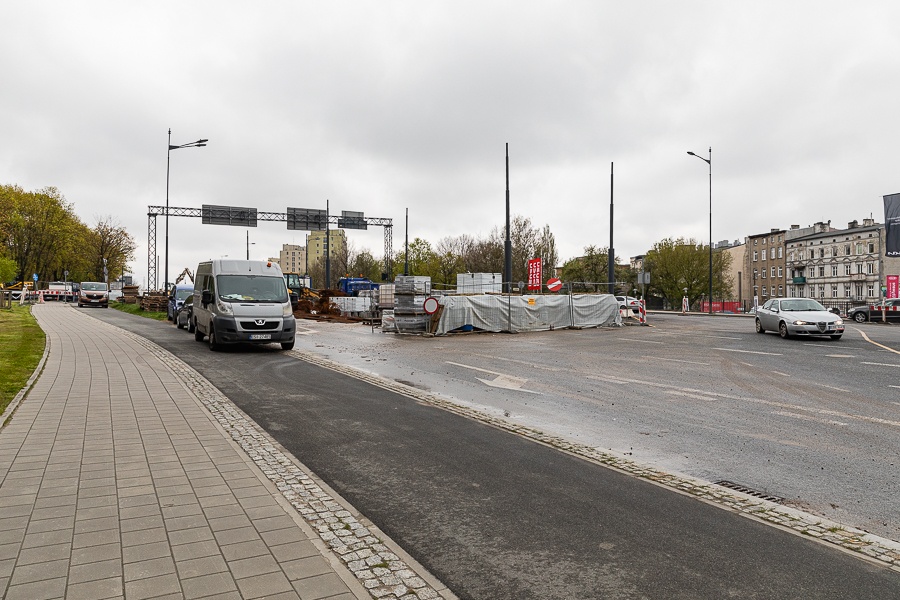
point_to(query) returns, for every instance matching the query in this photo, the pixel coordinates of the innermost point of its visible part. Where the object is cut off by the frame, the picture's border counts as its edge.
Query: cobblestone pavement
(124, 473)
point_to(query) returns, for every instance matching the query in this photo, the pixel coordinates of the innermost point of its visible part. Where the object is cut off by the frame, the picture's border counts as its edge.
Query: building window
(755, 256)
(847, 290)
(773, 272)
(791, 256)
(772, 254)
(859, 249)
(834, 291)
(834, 271)
(821, 271)
(781, 291)
(859, 268)
(764, 255)
(870, 292)
(821, 291)
(764, 292)
(780, 252)
(859, 289)
(871, 248)
(780, 272)
(847, 269)
(846, 249)
(870, 269)
(763, 273)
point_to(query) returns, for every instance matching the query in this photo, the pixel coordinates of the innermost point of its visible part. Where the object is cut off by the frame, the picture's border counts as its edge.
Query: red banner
(534, 274)
(893, 286)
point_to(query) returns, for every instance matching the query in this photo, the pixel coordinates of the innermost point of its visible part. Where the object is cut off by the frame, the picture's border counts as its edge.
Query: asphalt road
(814, 421)
(497, 516)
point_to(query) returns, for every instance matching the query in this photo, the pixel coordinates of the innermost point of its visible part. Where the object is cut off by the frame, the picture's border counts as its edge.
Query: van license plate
(261, 336)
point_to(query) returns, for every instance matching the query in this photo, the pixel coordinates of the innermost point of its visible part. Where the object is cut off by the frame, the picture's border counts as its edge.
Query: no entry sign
(554, 284)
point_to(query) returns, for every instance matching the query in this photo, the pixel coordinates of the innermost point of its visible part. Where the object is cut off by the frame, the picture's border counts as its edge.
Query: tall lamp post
(197, 144)
(709, 162)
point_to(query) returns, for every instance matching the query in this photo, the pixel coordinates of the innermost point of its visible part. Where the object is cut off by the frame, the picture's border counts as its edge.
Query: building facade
(315, 245)
(763, 276)
(846, 264)
(292, 259)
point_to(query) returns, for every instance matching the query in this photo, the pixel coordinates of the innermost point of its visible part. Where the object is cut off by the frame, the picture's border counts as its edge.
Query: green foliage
(21, 348)
(676, 264)
(135, 309)
(7, 270)
(40, 233)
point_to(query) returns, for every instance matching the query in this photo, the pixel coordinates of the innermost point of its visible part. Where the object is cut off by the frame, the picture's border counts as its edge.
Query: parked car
(798, 316)
(628, 302)
(177, 294)
(184, 318)
(861, 314)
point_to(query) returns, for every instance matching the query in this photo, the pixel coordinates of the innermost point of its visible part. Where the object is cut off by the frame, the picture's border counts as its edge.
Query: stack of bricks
(154, 301)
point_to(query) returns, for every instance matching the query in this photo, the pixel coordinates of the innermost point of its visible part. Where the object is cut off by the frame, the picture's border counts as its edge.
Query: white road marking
(878, 364)
(687, 395)
(748, 351)
(508, 382)
(781, 405)
(690, 362)
(862, 333)
(780, 373)
(838, 356)
(644, 341)
(807, 418)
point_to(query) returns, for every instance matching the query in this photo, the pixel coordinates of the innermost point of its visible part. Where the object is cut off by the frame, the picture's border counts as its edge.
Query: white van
(242, 301)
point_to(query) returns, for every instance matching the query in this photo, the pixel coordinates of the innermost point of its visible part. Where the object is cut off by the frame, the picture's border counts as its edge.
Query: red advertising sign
(534, 274)
(893, 286)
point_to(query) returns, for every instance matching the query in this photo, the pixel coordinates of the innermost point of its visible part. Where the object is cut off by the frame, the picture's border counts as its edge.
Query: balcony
(799, 280)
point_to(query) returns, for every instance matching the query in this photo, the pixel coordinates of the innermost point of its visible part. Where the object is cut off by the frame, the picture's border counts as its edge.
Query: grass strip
(21, 347)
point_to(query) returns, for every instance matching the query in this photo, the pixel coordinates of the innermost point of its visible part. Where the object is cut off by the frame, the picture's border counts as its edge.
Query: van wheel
(287, 345)
(213, 343)
(198, 335)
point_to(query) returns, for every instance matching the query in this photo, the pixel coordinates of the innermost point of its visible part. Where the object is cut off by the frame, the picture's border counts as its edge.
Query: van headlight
(225, 308)
(286, 310)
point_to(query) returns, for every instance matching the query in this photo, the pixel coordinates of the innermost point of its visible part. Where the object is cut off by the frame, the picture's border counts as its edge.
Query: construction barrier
(642, 313)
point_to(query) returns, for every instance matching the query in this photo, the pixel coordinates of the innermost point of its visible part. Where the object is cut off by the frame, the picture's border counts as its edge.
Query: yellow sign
(531, 301)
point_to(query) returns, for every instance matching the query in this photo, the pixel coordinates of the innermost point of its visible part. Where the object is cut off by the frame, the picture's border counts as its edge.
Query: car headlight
(801, 323)
(839, 322)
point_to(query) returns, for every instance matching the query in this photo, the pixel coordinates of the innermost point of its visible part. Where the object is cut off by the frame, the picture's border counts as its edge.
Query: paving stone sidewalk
(116, 482)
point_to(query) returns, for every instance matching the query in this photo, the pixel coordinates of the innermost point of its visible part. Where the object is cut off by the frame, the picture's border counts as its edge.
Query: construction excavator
(186, 273)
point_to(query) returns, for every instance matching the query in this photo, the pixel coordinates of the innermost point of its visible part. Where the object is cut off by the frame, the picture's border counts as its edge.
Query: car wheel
(287, 345)
(836, 337)
(859, 317)
(783, 330)
(759, 327)
(213, 343)
(178, 324)
(198, 335)
(191, 327)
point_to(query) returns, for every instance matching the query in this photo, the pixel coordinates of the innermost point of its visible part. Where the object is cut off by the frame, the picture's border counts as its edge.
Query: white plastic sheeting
(527, 313)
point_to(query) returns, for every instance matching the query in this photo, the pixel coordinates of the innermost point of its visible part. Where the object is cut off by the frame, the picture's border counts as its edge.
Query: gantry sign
(303, 219)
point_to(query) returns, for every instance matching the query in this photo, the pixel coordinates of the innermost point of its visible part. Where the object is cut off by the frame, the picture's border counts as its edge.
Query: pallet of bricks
(130, 294)
(154, 301)
(410, 292)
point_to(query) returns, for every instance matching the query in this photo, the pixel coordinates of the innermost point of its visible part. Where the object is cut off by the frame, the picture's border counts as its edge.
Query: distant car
(93, 293)
(177, 295)
(798, 316)
(184, 318)
(628, 302)
(861, 314)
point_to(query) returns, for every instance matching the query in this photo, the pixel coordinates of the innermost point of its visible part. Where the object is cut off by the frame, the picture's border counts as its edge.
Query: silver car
(798, 316)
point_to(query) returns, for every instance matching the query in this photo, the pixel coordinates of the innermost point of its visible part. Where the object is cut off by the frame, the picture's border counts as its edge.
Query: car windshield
(801, 304)
(251, 288)
(182, 294)
(91, 286)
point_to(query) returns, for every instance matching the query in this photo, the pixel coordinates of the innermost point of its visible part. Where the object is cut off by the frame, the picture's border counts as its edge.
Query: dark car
(861, 314)
(184, 317)
(177, 295)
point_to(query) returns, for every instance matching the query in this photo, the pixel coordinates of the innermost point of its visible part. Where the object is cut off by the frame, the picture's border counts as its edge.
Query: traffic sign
(554, 284)
(35, 277)
(430, 305)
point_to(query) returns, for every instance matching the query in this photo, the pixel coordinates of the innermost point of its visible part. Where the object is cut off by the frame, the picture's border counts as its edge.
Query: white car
(798, 316)
(629, 302)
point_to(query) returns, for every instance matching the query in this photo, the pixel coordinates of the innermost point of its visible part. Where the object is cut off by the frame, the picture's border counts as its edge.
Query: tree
(449, 257)
(366, 265)
(679, 264)
(109, 249)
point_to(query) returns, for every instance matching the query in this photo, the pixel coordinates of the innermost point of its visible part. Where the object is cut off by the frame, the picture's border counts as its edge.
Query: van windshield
(251, 288)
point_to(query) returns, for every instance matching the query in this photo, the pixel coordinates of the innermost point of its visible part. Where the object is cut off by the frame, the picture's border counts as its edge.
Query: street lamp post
(249, 243)
(709, 162)
(197, 144)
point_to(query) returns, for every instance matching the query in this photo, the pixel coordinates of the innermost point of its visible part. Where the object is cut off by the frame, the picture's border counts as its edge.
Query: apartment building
(764, 270)
(292, 259)
(845, 264)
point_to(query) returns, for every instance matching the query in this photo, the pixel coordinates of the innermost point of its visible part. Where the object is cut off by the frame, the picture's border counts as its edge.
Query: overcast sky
(383, 106)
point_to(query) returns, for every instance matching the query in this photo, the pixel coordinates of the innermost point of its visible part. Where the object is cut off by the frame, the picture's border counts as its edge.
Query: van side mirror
(206, 297)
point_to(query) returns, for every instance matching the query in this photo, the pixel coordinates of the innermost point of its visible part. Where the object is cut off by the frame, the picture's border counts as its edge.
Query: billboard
(534, 274)
(892, 224)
